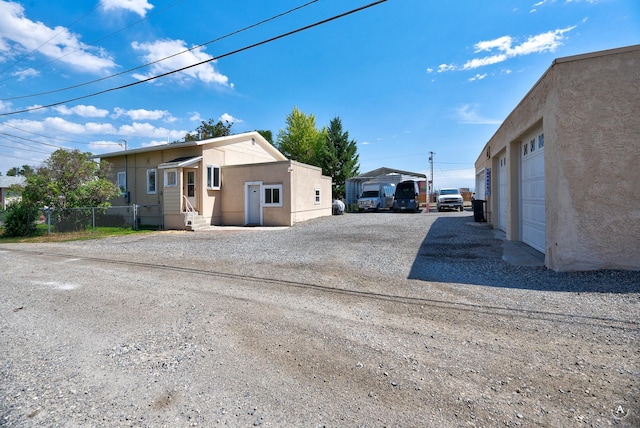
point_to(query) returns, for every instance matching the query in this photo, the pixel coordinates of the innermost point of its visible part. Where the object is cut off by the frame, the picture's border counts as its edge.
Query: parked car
(449, 199)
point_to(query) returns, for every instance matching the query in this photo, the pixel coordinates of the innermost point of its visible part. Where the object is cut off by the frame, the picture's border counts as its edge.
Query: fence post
(48, 210)
(93, 215)
(135, 217)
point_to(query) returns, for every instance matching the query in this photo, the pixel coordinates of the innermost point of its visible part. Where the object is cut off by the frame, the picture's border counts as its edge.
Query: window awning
(181, 162)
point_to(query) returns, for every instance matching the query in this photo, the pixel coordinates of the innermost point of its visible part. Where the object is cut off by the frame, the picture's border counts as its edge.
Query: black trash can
(478, 210)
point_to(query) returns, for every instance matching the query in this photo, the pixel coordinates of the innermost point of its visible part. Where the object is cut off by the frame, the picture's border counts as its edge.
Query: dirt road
(179, 329)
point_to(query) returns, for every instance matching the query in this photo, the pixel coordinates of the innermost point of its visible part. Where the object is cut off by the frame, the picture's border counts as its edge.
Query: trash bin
(478, 210)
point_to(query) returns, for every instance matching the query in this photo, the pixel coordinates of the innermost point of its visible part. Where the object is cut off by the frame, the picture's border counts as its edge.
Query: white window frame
(151, 172)
(167, 175)
(122, 181)
(211, 184)
(271, 188)
(317, 196)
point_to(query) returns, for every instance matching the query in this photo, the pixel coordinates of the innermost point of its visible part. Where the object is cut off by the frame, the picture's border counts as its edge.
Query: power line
(272, 39)
(92, 43)
(28, 150)
(45, 136)
(161, 59)
(33, 141)
(51, 38)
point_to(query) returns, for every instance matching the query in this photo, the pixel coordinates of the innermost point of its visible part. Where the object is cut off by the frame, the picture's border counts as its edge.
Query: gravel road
(362, 320)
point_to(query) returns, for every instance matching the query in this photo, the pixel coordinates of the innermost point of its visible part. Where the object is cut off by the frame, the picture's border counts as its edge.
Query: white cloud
(195, 117)
(154, 143)
(146, 130)
(166, 48)
(468, 114)
(505, 49)
(4, 106)
(365, 143)
(143, 114)
(20, 35)
(82, 110)
(226, 117)
(478, 77)
(104, 146)
(23, 74)
(136, 6)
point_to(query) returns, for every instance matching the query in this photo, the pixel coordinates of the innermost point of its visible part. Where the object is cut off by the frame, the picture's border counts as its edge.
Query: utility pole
(431, 155)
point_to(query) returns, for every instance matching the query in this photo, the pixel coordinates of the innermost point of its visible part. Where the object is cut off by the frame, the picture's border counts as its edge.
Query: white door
(532, 213)
(253, 205)
(502, 193)
(190, 188)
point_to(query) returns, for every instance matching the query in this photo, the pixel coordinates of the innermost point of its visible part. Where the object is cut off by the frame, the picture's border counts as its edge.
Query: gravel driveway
(355, 320)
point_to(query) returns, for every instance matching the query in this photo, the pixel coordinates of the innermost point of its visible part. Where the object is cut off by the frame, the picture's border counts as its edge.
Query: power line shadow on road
(457, 251)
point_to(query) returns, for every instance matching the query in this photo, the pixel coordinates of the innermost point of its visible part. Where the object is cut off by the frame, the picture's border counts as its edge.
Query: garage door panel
(532, 188)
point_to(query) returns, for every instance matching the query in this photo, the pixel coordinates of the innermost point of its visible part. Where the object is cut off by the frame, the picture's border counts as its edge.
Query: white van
(376, 196)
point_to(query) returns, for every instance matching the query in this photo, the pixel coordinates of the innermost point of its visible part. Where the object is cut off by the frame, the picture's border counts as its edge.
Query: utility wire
(281, 36)
(92, 44)
(45, 136)
(161, 59)
(51, 38)
(33, 141)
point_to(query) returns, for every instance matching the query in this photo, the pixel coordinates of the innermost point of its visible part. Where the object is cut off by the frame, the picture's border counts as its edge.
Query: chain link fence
(75, 219)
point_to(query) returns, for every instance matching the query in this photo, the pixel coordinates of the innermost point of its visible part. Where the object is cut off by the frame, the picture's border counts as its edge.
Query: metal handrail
(190, 212)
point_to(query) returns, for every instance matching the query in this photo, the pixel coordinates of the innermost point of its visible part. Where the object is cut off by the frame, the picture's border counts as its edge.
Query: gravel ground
(355, 320)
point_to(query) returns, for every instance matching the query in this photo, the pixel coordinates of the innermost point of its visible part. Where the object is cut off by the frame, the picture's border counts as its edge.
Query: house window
(273, 195)
(122, 181)
(317, 191)
(213, 177)
(170, 178)
(541, 141)
(151, 181)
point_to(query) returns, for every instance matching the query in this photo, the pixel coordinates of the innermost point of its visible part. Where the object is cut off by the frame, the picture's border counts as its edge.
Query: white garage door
(502, 193)
(532, 219)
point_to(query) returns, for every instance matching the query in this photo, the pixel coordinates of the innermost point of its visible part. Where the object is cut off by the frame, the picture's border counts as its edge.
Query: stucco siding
(307, 179)
(587, 109)
(596, 168)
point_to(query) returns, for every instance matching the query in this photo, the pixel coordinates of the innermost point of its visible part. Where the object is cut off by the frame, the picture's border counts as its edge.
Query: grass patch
(82, 235)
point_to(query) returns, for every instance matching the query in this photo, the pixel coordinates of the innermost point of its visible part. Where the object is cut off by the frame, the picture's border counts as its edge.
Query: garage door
(502, 193)
(532, 219)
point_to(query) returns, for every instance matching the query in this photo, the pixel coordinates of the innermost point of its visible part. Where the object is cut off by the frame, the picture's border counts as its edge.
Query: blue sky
(406, 77)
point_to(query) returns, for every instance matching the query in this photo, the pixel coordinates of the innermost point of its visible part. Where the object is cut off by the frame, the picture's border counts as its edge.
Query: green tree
(25, 171)
(70, 179)
(268, 135)
(300, 140)
(339, 157)
(210, 129)
(21, 219)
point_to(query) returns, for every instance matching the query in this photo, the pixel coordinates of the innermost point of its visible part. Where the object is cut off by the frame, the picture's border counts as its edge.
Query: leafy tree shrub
(20, 220)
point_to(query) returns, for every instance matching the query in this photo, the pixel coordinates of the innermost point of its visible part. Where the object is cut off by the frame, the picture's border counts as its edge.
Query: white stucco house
(239, 180)
(562, 172)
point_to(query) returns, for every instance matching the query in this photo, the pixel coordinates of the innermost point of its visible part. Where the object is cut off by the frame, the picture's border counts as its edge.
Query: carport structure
(383, 175)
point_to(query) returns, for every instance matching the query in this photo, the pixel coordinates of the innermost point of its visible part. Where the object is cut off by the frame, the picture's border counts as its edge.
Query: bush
(20, 220)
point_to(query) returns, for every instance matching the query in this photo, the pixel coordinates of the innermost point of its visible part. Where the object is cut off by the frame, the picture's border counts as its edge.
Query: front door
(253, 204)
(190, 188)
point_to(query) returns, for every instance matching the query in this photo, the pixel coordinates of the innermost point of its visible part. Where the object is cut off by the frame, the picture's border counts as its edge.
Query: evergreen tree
(339, 157)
